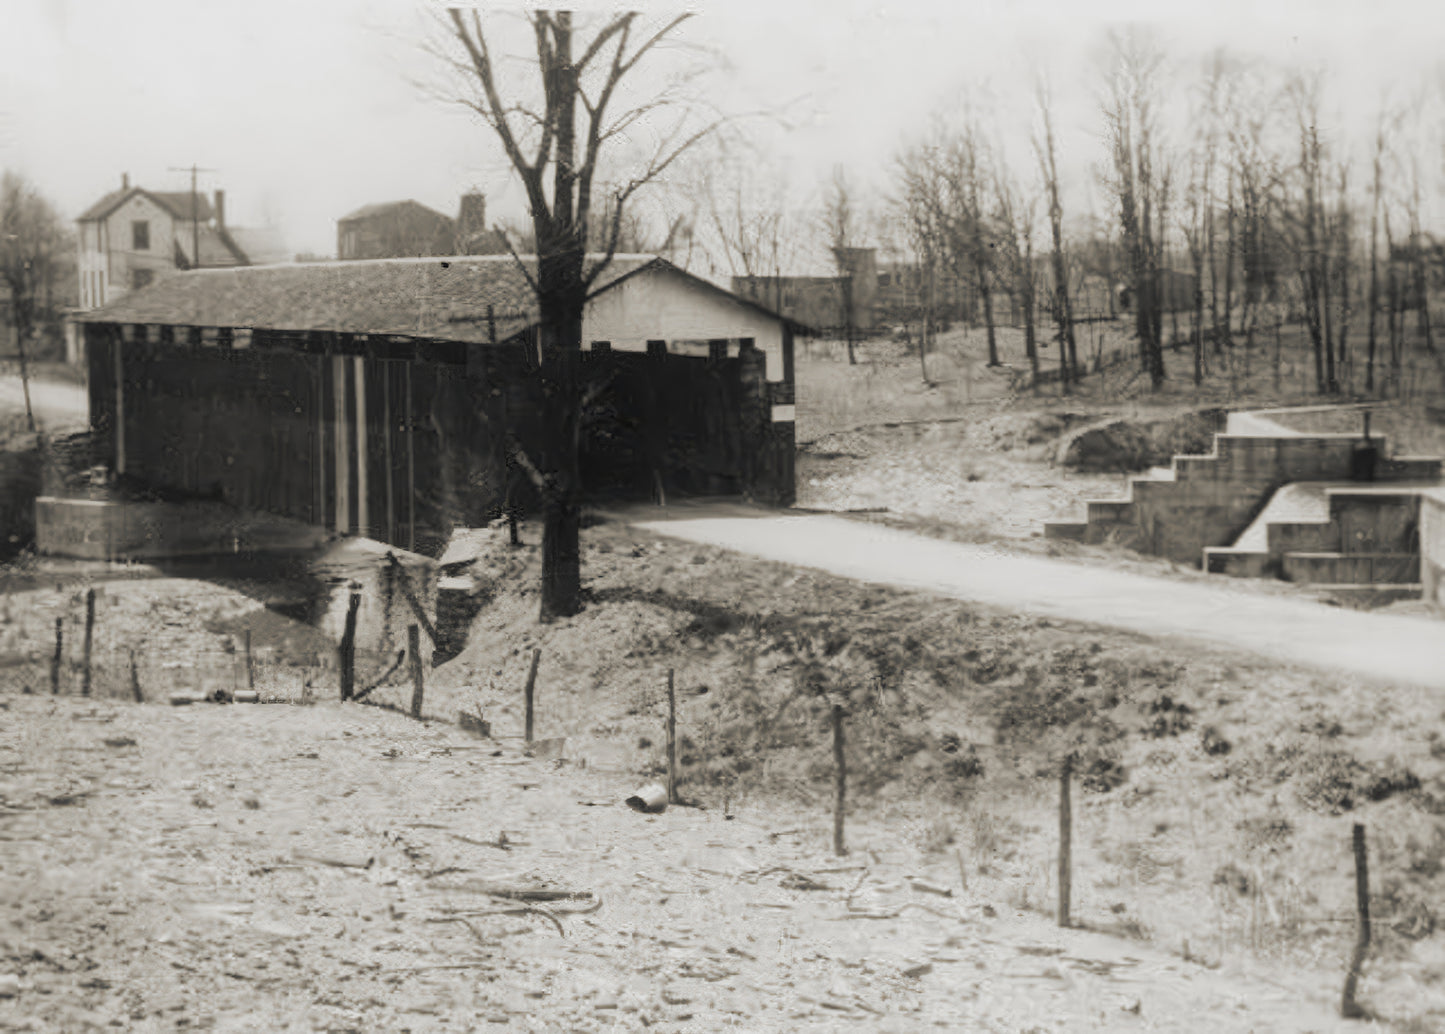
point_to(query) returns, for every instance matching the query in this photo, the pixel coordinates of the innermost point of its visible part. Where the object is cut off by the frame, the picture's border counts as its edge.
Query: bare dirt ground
(278, 868)
(190, 879)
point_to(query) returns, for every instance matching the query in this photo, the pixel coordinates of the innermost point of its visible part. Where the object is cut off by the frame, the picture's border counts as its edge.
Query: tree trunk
(1031, 347)
(1374, 290)
(986, 295)
(1198, 328)
(1226, 338)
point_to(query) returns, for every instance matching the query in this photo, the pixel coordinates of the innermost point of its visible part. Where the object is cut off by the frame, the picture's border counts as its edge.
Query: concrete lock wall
(93, 529)
(1213, 502)
(1432, 545)
(20, 475)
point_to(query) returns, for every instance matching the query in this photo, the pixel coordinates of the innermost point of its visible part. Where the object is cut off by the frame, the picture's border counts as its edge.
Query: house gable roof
(421, 297)
(180, 204)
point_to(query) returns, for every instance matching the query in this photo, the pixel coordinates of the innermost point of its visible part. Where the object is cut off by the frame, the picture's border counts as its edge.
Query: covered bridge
(377, 397)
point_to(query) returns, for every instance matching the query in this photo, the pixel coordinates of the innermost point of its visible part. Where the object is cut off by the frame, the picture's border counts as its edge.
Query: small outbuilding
(379, 397)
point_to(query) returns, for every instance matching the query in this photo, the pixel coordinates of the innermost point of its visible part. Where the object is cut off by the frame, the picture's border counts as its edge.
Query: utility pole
(195, 212)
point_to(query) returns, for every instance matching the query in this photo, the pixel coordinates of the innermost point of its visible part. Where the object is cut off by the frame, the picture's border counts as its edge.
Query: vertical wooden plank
(840, 781)
(319, 405)
(410, 465)
(386, 368)
(530, 695)
(348, 648)
(1349, 1008)
(118, 344)
(671, 739)
(340, 452)
(1066, 840)
(413, 652)
(363, 507)
(88, 643)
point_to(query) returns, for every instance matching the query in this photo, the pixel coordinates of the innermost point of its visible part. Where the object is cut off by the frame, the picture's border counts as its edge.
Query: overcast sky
(306, 109)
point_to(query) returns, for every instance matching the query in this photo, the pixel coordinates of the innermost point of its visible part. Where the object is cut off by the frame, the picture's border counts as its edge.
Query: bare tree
(1384, 126)
(31, 243)
(967, 175)
(1132, 90)
(1307, 218)
(748, 223)
(1416, 256)
(1343, 246)
(840, 222)
(1062, 309)
(1196, 236)
(1015, 232)
(922, 203)
(558, 132)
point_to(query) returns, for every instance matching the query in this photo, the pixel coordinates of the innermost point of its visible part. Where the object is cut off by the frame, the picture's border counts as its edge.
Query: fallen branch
(555, 909)
(520, 910)
(501, 843)
(522, 893)
(338, 863)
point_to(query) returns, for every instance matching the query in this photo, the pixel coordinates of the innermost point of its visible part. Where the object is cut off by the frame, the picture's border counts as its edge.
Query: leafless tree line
(1256, 221)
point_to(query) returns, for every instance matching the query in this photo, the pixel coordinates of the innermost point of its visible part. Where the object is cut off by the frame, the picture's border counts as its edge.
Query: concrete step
(1239, 563)
(1195, 468)
(1074, 531)
(1411, 468)
(1114, 510)
(1378, 594)
(1351, 568)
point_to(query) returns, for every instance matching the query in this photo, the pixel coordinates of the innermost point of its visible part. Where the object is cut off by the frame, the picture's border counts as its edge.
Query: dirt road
(1388, 647)
(285, 868)
(56, 406)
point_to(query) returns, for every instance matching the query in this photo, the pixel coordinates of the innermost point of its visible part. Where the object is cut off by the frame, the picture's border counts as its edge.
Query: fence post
(1349, 1008)
(135, 690)
(250, 671)
(413, 648)
(1066, 839)
(840, 783)
(89, 640)
(348, 648)
(531, 687)
(671, 740)
(59, 654)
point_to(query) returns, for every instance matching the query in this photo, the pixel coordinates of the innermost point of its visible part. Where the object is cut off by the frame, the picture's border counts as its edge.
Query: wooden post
(840, 781)
(1066, 839)
(59, 653)
(348, 648)
(250, 670)
(135, 690)
(1349, 1008)
(89, 640)
(413, 649)
(671, 740)
(531, 686)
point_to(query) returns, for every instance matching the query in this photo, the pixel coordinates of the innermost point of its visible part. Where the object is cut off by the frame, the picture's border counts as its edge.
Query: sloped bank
(1215, 794)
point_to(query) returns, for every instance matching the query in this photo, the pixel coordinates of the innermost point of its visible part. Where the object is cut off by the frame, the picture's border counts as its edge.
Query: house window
(141, 277)
(140, 235)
